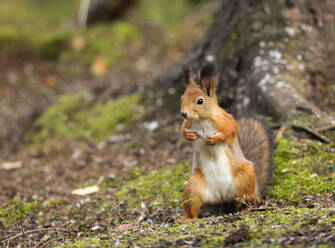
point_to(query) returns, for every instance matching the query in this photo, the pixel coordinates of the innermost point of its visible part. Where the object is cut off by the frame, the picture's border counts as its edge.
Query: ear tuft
(208, 70)
(208, 79)
(186, 68)
(188, 73)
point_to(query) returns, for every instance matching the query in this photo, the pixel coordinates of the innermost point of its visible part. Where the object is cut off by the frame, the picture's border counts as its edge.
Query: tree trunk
(274, 57)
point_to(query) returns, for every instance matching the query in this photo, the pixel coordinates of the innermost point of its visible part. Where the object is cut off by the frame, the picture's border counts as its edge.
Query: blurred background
(91, 153)
(48, 49)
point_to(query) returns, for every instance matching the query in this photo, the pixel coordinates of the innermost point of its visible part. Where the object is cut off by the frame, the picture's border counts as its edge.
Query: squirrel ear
(188, 73)
(208, 79)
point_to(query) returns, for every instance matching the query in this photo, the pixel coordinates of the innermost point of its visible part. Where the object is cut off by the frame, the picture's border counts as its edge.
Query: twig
(37, 230)
(312, 132)
(21, 226)
(9, 231)
(325, 128)
(39, 243)
(51, 240)
(261, 209)
(282, 130)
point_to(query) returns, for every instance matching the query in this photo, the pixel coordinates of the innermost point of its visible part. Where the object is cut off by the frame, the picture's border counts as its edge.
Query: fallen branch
(325, 128)
(313, 133)
(261, 209)
(46, 244)
(282, 130)
(9, 231)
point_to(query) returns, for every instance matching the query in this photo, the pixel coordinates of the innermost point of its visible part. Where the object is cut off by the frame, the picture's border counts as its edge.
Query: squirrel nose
(184, 114)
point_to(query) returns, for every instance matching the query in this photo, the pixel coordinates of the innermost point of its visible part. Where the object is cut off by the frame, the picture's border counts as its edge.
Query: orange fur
(193, 194)
(242, 170)
(245, 181)
(188, 134)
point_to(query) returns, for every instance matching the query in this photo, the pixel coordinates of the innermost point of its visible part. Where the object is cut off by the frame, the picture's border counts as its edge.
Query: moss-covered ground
(259, 229)
(299, 201)
(303, 169)
(76, 118)
(141, 205)
(16, 210)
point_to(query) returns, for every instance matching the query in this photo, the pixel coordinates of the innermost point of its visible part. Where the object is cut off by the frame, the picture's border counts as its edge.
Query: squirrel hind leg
(246, 183)
(193, 195)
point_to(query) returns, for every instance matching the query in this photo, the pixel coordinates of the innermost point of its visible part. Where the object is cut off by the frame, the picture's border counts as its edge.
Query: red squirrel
(221, 169)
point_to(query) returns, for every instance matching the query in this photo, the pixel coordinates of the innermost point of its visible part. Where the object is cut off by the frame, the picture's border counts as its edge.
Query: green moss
(35, 26)
(74, 117)
(304, 119)
(166, 18)
(113, 43)
(48, 30)
(32, 15)
(279, 223)
(16, 211)
(273, 224)
(89, 242)
(165, 13)
(301, 170)
(46, 45)
(161, 187)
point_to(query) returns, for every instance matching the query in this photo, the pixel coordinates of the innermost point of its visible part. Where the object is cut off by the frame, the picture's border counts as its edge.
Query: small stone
(210, 58)
(171, 161)
(111, 176)
(129, 163)
(76, 153)
(95, 228)
(171, 91)
(151, 126)
(290, 31)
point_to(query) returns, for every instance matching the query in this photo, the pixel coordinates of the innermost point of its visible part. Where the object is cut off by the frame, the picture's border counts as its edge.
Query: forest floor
(89, 160)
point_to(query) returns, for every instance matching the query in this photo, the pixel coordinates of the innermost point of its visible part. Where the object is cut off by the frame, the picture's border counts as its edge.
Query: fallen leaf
(11, 165)
(78, 43)
(6, 90)
(124, 227)
(50, 80)
(99, 66)
(86, 191)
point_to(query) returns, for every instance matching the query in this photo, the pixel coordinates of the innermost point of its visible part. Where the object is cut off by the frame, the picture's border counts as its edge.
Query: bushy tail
(256, 145)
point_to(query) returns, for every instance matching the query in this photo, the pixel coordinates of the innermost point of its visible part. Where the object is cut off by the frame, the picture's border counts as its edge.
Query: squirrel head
(198, 101)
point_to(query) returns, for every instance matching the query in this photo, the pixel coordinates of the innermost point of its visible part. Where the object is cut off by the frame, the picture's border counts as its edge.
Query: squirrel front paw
(190, 135)
(212, 140)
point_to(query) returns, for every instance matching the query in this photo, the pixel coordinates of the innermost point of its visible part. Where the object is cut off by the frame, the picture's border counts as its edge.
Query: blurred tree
(275, 57)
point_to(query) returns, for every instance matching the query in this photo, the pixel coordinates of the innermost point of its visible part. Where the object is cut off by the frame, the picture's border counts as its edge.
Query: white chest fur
(214, 164)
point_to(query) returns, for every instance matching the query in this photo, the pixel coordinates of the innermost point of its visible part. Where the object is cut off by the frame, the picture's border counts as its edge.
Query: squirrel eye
(200, 101)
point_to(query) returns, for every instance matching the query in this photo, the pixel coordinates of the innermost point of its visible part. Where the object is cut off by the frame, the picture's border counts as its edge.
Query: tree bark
(274, 57)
